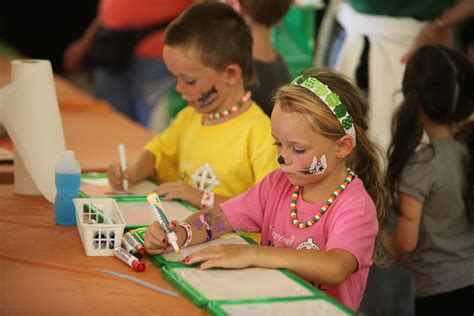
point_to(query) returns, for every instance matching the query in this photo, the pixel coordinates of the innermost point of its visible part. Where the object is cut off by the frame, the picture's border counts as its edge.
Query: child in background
(272, 72)
(432, 189)
(220, 145)
(322, 212)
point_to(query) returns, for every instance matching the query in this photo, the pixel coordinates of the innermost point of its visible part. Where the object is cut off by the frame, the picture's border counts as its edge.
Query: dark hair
(217, 33)
(266, 12)
(364, 159)
(440, 82)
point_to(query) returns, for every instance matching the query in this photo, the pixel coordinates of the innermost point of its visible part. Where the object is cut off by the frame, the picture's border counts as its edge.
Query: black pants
(458, 302)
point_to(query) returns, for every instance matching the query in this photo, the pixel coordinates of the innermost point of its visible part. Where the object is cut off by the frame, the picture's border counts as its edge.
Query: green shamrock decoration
(321, 90)
(300, 80)
(332, 99)
(340, 110)
(310, 82)
(347, 122)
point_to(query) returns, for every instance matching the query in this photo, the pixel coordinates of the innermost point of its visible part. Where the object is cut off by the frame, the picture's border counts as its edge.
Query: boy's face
(201, 86)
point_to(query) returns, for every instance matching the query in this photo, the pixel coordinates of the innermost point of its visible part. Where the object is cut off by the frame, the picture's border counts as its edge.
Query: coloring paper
(100, 187)
(251, 283)
(318, 307)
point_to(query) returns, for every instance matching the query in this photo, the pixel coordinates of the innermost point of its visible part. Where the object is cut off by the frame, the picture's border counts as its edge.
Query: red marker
(129, 259)
(132, 241)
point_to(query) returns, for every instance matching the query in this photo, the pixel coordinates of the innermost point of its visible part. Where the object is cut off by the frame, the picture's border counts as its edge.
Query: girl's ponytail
(367, 161)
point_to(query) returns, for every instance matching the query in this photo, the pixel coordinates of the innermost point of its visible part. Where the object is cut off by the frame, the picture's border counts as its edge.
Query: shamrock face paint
(208, 97)
(318, 166)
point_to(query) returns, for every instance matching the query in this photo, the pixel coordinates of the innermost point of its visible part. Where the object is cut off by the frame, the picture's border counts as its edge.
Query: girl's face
(202, 87)
(298, 144)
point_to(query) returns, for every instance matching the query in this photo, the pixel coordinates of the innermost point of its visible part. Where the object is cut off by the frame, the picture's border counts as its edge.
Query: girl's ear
(233, 74)
(344, 146)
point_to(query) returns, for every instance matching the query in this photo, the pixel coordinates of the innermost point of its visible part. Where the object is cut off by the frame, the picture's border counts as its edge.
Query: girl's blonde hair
(365, 157)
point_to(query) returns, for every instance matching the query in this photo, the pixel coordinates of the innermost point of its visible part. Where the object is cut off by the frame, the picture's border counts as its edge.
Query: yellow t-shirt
(226, 159)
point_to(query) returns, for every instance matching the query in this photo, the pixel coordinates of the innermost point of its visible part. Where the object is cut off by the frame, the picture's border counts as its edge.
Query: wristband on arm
(189, 234)
(207, 200)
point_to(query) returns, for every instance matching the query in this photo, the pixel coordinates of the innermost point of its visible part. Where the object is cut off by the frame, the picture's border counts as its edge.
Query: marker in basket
(129, 259)
(123, 165)
(132, 241)
(157, 208)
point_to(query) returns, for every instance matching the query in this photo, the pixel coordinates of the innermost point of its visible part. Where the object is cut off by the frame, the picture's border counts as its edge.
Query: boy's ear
(344, 146)
(233, 74)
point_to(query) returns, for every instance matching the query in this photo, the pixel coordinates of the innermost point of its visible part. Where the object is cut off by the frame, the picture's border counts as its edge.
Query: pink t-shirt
(349, 224)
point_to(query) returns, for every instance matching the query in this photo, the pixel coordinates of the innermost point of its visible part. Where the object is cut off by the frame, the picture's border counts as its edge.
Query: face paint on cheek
(318, 166)
(208, 97)
(281, 160)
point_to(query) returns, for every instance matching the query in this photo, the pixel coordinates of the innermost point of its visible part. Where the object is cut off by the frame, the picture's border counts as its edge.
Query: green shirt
(418, 9)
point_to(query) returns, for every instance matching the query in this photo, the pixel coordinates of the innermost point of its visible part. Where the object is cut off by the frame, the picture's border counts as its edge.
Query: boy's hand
(114, 174)
(180, 190)
(224, 256)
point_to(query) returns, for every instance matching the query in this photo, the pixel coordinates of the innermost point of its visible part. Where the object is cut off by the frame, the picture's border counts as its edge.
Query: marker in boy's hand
(117, 177)
(123, 167)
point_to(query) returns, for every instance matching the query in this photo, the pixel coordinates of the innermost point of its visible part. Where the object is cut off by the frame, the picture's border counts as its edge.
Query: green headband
(330, 99)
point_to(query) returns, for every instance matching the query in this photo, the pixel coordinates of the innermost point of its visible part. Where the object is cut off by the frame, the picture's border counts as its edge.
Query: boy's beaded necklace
(234, 108)
(324, 208)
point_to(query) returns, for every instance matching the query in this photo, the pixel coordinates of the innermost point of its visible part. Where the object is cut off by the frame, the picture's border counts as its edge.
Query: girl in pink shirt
(322, 214)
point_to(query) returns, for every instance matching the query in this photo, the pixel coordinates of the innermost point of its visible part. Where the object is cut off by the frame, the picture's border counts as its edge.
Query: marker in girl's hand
(158, 209)
(123, 166)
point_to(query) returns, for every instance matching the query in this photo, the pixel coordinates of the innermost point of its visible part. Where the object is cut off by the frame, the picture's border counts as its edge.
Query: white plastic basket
(100, 224)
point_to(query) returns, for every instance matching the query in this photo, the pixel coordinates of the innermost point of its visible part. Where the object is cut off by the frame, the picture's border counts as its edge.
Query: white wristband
(189, 234)
(207, 200)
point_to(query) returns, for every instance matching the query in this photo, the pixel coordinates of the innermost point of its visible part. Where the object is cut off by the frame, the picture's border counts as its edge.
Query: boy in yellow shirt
(221, 144)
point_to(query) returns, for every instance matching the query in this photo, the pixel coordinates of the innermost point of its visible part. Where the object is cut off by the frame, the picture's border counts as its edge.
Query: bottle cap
(138, 266)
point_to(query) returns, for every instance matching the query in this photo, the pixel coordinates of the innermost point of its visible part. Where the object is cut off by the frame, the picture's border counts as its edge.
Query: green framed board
(174, 259)
(134, 208)
(322, 306)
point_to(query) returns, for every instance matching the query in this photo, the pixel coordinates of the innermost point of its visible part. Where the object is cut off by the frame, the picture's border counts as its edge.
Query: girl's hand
(180, 190)
(156, 240)
(224, 256)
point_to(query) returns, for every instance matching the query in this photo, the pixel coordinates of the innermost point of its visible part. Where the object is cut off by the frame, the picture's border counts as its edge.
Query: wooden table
(43, 267)
(44, 270)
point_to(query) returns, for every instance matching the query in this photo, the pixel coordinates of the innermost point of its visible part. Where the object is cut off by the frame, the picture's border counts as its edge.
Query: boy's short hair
(218, 34)
(266, 12)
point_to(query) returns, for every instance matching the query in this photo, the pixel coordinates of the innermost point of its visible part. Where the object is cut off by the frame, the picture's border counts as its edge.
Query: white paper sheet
(251, 283)
(301, 308)
(100, 187)
(30, 113)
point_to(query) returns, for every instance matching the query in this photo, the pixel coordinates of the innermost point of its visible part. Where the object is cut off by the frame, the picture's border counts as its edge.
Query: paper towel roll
(30, 113)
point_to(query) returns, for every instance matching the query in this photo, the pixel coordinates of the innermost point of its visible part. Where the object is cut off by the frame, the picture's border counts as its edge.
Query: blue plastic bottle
(68, 180)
